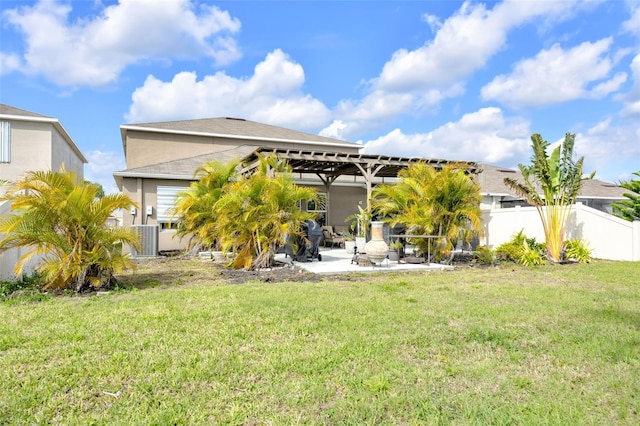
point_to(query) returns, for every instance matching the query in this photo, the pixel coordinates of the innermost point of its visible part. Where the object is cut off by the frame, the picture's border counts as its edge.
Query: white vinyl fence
(608, 236)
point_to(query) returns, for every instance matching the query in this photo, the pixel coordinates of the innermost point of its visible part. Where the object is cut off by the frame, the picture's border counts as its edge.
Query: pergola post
(369, 173)
(327, 181)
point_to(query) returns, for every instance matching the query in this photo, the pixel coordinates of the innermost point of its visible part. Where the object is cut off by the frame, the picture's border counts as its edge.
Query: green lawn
(507, 345)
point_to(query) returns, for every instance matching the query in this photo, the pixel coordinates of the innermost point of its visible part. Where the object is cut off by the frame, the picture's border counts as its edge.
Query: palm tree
(427, 201)
(60, 217)
(194, 207)
(560, 179)
(259, 213)
(629, 209)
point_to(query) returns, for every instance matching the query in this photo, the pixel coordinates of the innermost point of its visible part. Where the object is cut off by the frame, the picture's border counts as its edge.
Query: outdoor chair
(331, 238)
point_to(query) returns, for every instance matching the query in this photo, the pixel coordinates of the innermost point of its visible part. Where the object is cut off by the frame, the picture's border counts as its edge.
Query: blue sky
(445, 79)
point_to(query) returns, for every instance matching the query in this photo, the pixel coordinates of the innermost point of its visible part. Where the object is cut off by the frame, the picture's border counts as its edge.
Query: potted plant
(359, 223)
(349, 242)
(395, 250)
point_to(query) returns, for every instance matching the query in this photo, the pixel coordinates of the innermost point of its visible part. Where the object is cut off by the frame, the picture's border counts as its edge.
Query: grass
(508, 345)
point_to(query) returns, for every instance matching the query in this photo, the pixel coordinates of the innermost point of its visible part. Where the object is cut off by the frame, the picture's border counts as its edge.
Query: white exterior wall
(608, 236)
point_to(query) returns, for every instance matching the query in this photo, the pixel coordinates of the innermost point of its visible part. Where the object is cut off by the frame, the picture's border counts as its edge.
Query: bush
(522, 249)
(532, 255)
(577, 250)
(32, 283)
(484, 256)
(513, 249)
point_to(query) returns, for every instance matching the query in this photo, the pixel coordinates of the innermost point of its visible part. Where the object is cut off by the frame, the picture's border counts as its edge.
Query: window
(5, 142)
(167, 196)
(319, 207)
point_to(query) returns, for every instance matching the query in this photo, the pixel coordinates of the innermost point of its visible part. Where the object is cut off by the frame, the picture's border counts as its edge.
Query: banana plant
(551, 184)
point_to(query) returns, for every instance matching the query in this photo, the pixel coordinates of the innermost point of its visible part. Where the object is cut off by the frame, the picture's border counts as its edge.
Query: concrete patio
(336, 260)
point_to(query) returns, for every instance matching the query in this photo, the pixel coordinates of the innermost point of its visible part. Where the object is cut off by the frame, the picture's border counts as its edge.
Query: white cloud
(8, 63)
(424, 77)
(483, 136)
(273, 94)
(632, 99)
(94, 51)
(556, 75)
(334, 130)
(611, 151)
(633, 23)
(433, 21)
(101, 166)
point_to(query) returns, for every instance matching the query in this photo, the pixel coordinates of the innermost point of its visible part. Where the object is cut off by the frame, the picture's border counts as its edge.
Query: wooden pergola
(329, 166)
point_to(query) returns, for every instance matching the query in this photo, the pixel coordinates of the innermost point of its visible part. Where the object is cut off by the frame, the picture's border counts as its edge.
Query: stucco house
(161, 159)
(31, 141)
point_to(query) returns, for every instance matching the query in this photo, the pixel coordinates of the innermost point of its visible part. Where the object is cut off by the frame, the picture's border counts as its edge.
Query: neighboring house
(161, 159)
(30, 141)
(495, 194)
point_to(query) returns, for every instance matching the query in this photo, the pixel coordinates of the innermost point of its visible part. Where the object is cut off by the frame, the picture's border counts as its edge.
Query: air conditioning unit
(148, 235)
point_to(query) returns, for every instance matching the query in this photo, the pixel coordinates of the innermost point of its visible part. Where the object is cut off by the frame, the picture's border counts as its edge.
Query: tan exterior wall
(34, 146)
(63, 155)
(343, 202)
(144, 193)
(146, 148)
(38, 146)
(30, 149)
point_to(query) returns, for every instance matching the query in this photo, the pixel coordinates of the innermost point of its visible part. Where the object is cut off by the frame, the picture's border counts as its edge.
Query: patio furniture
(331, 237)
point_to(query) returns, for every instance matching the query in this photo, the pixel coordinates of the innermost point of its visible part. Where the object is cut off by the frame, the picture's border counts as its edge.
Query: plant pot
(205, 255)
(217, 255)
(361, 242)
(393, 255)
(350, 246)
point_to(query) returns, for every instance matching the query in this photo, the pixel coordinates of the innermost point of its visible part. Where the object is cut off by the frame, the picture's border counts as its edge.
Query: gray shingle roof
(185, 167)
(491, 180)
(10, 110)
(236, 127)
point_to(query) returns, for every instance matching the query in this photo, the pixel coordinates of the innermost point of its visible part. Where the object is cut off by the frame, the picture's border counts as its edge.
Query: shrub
(513, 249)
(577, 250)
(484, 256)
(28, 282)
(522, 249)
(532, 255)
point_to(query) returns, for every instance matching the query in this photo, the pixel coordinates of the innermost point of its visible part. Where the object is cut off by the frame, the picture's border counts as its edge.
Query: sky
(453, 80)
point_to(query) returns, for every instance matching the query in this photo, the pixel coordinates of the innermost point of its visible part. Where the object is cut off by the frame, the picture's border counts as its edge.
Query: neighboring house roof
(8, 112)
(234, 128)
(491, 180)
